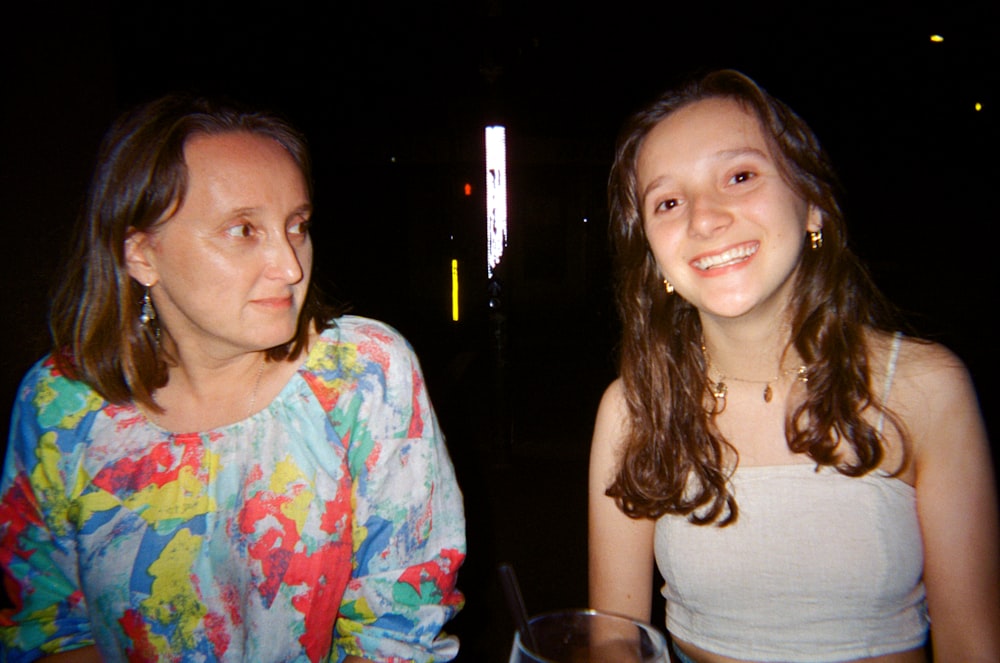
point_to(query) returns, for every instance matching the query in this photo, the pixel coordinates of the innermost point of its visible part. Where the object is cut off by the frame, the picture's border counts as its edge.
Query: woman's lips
(275, 302)
(726, 258)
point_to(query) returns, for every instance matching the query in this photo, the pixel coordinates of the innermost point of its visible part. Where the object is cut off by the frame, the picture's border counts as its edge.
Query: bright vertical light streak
(454, 290)
(496, 196)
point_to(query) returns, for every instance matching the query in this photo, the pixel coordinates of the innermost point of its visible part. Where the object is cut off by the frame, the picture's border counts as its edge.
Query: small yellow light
(937, 39)
(979, 107)
(454, 290)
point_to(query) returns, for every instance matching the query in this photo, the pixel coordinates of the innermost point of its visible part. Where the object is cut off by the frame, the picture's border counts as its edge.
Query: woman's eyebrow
(721, 155)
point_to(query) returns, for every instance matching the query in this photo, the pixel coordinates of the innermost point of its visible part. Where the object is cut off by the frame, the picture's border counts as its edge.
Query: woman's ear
(814, 219)
(137, 257)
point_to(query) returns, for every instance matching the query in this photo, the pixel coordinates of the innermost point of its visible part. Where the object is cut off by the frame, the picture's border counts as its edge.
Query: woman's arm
(38, 543)
(408, 525)
(620, 548)
(957, 506)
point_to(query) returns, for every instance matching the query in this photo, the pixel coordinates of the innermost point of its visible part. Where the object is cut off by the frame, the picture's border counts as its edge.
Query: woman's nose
(708, 215)
(283, 259)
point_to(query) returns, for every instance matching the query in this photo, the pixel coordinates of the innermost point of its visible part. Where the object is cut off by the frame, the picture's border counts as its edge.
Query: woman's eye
(299, 228)
(241, 230)
(667, 205)
(740, 178)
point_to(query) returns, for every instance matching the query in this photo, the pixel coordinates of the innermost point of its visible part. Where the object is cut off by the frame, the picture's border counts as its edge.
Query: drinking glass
(590, 636)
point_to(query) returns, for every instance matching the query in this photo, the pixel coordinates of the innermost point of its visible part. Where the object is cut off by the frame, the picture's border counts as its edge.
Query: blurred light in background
(454, 289)
(496, 196)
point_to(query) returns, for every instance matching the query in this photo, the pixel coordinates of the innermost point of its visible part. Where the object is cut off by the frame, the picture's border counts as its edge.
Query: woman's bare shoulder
(611, 424)
(930, 368)
(930, 396)
(933, 394)
(614, 395)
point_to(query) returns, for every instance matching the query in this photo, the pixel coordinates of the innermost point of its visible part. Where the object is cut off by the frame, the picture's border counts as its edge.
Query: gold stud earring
(816, 239)
(668, 286)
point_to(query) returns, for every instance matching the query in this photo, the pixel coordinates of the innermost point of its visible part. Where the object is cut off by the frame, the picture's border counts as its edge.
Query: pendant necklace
(719, 388)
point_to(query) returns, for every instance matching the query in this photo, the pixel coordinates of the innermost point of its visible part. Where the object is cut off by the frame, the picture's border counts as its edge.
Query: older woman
(210, 466)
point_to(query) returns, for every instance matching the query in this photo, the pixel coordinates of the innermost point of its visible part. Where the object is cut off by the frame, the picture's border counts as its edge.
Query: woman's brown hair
(140, 177)
(675, 461)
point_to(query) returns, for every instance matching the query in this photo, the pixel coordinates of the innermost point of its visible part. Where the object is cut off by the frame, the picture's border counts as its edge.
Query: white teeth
(727, 257)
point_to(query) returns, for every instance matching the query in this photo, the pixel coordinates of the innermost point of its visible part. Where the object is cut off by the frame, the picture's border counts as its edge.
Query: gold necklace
(719, 388)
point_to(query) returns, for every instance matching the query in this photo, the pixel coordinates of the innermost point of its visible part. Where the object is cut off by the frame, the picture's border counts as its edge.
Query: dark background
(393, 98)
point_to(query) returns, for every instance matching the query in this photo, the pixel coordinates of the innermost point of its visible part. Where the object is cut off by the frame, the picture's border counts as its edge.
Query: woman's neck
(206, 391)
(207, 395)
(206, 379)
(748, 351)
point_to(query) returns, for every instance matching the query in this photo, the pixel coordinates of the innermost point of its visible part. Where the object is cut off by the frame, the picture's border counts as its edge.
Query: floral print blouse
(329, 523)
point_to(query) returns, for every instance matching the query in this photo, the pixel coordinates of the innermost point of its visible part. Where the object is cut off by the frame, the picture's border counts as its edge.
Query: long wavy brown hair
(675, 460)
(139, 180)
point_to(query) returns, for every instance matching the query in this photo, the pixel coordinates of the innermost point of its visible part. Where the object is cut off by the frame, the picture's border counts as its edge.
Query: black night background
(394, 97)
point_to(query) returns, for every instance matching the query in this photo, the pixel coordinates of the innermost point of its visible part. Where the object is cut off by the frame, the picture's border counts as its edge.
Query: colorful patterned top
(327, 524)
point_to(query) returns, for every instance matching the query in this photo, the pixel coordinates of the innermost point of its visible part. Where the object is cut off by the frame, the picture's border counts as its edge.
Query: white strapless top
(819, 567)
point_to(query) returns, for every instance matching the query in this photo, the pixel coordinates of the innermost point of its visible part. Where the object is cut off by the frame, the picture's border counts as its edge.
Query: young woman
(209, 466)
(812, 484)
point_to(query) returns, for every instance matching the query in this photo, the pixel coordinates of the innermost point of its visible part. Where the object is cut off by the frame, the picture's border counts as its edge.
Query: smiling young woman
(723, 224)
(812, 484)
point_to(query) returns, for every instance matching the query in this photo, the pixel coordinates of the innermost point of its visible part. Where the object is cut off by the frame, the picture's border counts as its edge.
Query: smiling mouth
(726, 258)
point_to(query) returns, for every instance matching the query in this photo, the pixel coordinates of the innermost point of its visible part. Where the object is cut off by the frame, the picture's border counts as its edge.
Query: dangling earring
(668, 286)
(816, 239)
(148, 314)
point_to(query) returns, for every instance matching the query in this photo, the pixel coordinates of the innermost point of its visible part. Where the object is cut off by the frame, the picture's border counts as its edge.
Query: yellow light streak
(454, 290)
